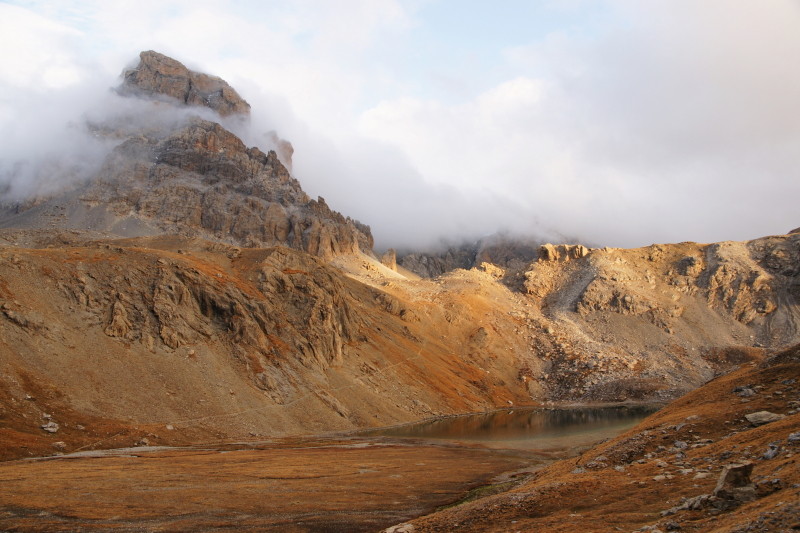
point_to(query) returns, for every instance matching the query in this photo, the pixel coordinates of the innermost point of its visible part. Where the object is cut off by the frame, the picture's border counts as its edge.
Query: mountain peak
(158, 75)
(191, 177)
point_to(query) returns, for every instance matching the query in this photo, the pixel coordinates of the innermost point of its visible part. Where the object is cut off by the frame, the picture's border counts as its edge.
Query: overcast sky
(619, 123)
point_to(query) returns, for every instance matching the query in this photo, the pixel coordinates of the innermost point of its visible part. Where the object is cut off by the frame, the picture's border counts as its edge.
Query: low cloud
(47, 145)
(59, 138)
(677, 127)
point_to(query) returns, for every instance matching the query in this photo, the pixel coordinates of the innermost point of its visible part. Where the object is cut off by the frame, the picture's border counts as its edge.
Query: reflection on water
(528, 428)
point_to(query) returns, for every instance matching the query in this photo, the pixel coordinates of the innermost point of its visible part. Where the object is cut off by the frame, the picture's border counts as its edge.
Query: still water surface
(531, 428)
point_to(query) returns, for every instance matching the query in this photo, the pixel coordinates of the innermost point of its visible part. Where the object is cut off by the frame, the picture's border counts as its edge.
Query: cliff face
(748, 282)
(202, 180)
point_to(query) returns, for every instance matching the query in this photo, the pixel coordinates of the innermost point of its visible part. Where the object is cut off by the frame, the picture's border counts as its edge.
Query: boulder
(734, 486)
(120, 326)
(493, 270)
(400, 528)
(547, 252)
(763, 417)
(50, 427)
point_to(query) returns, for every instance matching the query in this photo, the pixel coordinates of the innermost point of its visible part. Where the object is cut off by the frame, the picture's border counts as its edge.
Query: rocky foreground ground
(723, 458)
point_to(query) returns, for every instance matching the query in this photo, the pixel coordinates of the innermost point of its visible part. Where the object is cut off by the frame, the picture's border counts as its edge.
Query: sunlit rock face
(158, 74)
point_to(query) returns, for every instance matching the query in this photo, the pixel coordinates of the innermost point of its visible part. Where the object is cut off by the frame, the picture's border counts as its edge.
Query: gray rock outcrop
(202, 180)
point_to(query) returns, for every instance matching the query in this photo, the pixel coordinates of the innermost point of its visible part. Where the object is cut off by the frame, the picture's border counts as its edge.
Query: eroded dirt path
(353, 485)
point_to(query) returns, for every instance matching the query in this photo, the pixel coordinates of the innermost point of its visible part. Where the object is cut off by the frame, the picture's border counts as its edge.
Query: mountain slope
(670, 315)
(219, 341)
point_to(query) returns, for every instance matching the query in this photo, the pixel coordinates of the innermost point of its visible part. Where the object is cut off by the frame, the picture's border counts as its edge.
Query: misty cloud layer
(667, 122)
(47, 145)
(60, 138)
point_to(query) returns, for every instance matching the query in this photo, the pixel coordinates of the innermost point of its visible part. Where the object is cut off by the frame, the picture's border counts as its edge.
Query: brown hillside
(664, 474)
(124, 338)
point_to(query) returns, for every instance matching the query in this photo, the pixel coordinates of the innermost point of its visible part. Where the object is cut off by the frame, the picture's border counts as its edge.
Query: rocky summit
(190, 293)
(160, 76)
(190, 177)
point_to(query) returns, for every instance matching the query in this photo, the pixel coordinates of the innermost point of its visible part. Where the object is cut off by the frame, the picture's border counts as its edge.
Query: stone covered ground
(675, 471)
